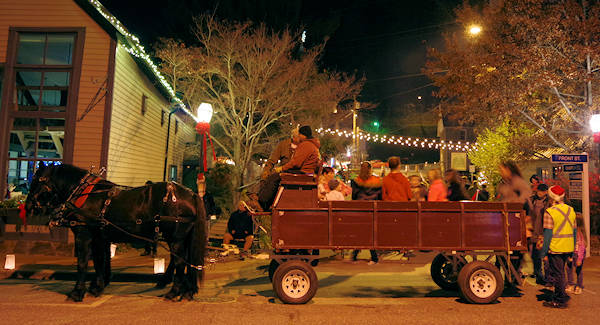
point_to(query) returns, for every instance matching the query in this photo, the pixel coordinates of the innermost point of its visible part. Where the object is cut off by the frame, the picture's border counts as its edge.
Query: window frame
(8, 109)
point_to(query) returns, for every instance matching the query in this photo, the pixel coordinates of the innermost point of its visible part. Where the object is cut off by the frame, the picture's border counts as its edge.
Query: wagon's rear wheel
(272, 268)
(442, 272)
(295, 282)
(480, 282)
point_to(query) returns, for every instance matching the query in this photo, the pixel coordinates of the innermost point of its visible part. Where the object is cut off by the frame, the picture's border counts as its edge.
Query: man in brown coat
(306, 158)
(282, 153)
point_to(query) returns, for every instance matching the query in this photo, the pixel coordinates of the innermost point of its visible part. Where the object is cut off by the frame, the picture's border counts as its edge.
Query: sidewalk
(129, 266)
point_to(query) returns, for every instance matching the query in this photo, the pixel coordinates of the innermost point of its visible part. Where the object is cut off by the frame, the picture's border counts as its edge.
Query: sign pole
(585, 204)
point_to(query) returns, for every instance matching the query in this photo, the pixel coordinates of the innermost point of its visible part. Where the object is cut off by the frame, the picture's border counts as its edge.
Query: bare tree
(259, 82)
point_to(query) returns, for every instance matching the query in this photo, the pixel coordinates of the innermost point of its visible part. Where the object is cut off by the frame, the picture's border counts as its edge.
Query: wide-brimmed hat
(556, 193)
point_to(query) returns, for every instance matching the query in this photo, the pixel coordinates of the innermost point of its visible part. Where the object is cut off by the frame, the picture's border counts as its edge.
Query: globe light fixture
(204, 113)
(474, 30)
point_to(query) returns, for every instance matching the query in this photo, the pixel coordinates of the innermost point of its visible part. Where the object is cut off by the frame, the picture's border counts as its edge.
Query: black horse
(99, 213)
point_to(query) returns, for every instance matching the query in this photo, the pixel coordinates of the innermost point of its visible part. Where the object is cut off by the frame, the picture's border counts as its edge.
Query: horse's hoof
(95, 291)
(172, 296)
(76, 295)
(189, 296)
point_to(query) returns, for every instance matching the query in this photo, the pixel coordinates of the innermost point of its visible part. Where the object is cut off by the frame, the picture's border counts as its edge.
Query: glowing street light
(595, 126)
(203, 116)
(474, 30)
(204, 113)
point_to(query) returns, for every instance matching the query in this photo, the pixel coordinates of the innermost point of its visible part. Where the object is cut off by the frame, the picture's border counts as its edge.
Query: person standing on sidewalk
(560, 235)
(537, 204)
(576, 262)
(366, 187)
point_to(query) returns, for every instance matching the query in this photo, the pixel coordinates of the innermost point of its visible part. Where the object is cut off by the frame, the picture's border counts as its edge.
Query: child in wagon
(336, 191)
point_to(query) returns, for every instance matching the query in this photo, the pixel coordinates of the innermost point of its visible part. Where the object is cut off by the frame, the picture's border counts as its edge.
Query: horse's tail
(198, 244)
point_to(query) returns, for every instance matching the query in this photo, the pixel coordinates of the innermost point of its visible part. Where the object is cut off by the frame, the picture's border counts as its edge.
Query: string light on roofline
(137, 49)
(427, 143)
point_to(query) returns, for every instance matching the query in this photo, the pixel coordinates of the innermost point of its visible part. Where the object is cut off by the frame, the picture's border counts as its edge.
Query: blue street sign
(569, 158)
(573, 168)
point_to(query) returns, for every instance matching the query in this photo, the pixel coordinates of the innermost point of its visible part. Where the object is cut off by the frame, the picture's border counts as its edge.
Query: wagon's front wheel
(295, 282)
(443, 273)
(480, 282)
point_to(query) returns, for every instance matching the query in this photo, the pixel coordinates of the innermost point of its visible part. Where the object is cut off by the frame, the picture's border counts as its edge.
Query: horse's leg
(107, 270)
(179, 265)
(99, 254)
(83, 238)
(167, 277)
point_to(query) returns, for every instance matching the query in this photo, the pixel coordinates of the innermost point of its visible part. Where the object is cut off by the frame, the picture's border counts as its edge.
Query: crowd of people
(556, 235)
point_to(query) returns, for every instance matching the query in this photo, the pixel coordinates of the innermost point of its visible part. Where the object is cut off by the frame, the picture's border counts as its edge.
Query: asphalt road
(393, 292)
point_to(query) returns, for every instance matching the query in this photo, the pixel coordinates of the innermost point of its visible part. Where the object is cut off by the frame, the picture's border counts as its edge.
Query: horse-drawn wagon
(470, 236)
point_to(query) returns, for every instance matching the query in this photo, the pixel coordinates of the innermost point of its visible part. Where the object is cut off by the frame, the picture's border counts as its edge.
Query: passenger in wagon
(437, 188)
(395, 185)
(335, 194)
(366, 187)
(456, 187)
(419, 191)
(282, 153)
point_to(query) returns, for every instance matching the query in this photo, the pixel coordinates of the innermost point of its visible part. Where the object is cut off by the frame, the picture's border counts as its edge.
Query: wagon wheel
(295, 282)
(480, 282)
(272, 268)
(442, 273)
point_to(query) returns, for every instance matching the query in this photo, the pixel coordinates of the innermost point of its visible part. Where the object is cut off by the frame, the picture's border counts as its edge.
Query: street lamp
(203, 116)
(595, 127)
(474, 30)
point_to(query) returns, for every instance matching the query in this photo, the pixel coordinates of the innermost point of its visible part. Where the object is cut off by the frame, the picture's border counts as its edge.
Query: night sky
(384, 40)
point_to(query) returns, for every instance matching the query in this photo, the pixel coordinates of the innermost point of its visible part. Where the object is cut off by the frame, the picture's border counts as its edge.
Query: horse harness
(79, 196)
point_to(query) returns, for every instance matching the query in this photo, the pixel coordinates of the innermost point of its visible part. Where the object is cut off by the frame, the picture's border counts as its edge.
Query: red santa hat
(557, 193)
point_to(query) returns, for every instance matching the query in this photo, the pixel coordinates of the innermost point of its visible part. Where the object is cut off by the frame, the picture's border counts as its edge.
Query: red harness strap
(84, 195)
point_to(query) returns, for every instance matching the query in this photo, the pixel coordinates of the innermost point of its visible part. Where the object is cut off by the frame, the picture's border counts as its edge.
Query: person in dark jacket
(456, 188)
(537, 205)
(240, 226)
(282, 153)
(366, 187)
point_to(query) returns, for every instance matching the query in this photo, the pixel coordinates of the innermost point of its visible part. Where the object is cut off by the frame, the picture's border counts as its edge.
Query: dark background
(383, 40)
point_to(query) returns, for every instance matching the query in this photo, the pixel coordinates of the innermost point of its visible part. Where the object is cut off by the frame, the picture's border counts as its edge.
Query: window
(176, 126)
(144, 97)
(162, 117)
(173, 173)
(462, 135)
(40, 91)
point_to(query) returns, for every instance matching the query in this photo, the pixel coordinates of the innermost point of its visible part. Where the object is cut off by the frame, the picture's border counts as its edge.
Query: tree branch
(562, 102)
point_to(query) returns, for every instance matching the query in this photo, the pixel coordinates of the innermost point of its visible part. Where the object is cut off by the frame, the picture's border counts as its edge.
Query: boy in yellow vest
(560, 233)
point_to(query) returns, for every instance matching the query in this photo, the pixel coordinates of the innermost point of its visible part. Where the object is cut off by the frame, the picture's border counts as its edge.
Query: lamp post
(203, 116)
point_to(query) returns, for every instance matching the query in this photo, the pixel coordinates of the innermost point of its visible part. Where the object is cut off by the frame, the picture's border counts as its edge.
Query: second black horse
(99, 213)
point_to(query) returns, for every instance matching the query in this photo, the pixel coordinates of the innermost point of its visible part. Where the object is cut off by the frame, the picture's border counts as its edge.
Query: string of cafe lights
(416, 142)
(137, 49)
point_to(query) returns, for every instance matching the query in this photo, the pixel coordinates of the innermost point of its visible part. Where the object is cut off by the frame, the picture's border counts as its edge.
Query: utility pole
(355, 136)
